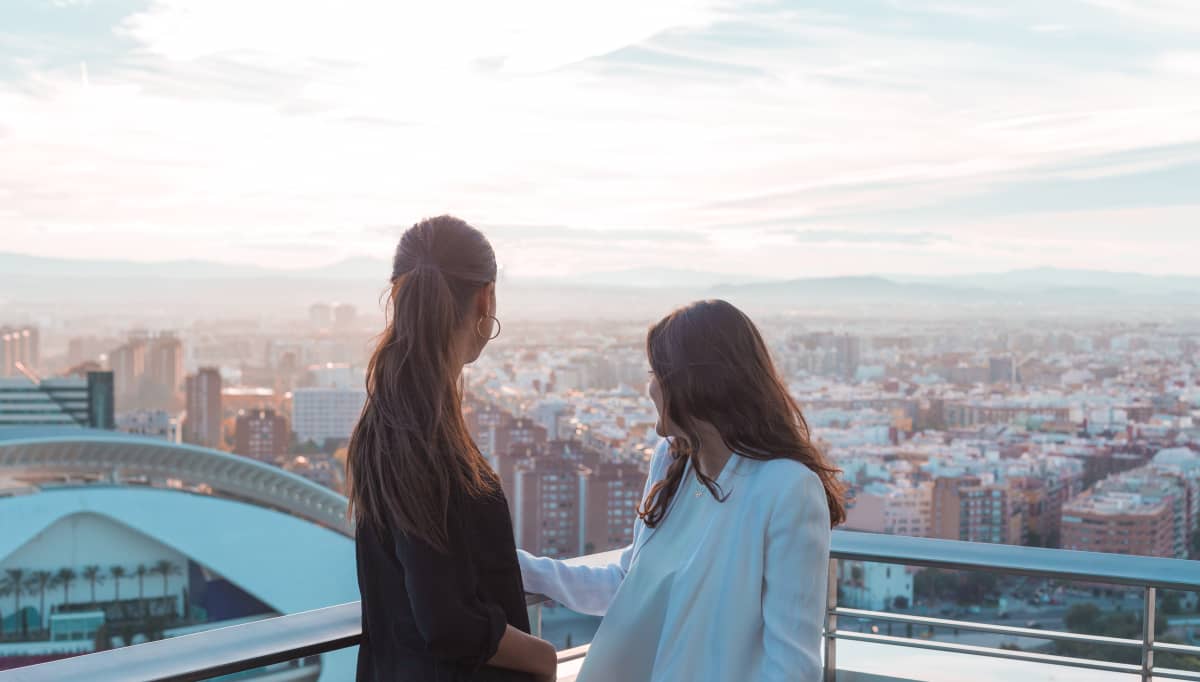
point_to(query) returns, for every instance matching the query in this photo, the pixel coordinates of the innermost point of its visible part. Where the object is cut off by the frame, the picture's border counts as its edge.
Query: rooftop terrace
(851, 655)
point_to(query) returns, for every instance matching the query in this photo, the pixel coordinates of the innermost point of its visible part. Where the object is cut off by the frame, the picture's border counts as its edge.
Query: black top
(438, 616)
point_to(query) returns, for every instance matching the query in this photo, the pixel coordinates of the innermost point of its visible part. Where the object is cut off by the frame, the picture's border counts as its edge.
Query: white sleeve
(587, 589)
(794, 582)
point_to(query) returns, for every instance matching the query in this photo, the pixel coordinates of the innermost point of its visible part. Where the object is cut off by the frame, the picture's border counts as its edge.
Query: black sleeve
(443, 591)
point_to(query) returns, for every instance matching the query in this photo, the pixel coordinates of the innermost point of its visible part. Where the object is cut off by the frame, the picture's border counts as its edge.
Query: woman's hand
(521, 651)
(549, 670)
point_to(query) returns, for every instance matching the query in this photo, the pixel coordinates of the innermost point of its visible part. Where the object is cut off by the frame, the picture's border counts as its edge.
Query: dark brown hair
(410, 454)
(713, 367)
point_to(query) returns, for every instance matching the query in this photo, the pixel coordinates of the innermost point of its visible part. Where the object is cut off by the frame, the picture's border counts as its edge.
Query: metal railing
(284, 638)
(1149, 574)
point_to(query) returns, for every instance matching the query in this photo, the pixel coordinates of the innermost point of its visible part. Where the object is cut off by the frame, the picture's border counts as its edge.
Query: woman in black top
(442, 598)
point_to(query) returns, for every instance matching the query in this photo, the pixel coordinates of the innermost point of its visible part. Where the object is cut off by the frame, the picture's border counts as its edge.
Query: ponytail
(410, 454)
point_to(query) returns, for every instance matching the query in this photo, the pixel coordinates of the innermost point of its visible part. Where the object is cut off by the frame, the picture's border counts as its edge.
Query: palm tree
(39, 582)
(16, 580)
(93, 575)
(141, 572)
(117, 573)
(65, 577)
(164, 568)
(5, 590)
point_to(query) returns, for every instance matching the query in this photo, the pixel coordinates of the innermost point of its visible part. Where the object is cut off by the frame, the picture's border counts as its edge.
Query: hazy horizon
(337, 264)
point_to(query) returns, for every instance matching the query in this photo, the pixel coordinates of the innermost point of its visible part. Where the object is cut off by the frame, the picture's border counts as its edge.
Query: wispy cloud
(737, 135)
(857, 237)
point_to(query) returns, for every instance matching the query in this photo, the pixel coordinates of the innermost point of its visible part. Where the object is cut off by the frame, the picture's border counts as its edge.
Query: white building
(319, 414)
(893, 509)
(553, 414)
(336, 375)
(154, 423)
(875, 586)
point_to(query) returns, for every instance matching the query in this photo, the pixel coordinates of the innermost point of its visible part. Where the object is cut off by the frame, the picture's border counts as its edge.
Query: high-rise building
(503, 439)
(613, 494)
(262, 435)
(164, 368)
(1044, 491)
(101, 403)
(946, 514)
(1001, 370)
(1119, 523)
(1152, 485)
(990, 513)
(19, 346)
(202, 422)
(849, 355)
(484, 422)
(320, 315)
(521, 440)
(344, 315)
(547, 506)
(322, 414)
(128, 364)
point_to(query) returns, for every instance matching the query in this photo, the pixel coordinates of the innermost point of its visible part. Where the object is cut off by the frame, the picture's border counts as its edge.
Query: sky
(776, 139)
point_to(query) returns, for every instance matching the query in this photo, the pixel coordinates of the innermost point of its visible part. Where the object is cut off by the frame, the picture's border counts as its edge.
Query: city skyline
(785, 140)
(965, 232)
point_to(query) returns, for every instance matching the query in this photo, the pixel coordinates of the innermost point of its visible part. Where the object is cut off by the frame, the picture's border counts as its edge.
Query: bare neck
(713, 454)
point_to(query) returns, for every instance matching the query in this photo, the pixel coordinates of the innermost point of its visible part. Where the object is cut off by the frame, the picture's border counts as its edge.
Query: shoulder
(781, 475)
(786, 483)
(660, 460)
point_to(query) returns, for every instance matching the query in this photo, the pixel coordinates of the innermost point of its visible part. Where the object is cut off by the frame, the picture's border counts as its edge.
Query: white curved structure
(287, 563)
(38, 452)
(110, 498)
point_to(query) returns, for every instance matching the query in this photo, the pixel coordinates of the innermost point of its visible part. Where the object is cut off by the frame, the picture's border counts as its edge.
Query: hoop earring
(479, 331)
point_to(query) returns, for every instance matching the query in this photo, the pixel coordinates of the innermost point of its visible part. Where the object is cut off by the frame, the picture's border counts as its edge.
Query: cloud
(857, 237)
(562, 233)
(635, 132)
(1177, 15)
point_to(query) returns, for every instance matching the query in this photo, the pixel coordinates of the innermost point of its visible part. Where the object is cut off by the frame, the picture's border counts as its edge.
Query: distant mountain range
(1031, 279)
(38, 266)
(1038, 279)
(1030, 287)
(245, 289)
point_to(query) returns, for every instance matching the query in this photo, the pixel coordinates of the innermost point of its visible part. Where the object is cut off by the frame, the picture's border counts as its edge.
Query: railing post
(537, 620)
(831, 603)
(1148, 615)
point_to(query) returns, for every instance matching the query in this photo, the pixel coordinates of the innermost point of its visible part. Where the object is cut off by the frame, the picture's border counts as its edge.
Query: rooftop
(851, 655)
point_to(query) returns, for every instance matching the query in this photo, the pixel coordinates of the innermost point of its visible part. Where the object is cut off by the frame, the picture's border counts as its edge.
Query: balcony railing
(285, 638)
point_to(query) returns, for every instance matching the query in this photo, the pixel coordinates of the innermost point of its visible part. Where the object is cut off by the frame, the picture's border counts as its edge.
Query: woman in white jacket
(726, 576)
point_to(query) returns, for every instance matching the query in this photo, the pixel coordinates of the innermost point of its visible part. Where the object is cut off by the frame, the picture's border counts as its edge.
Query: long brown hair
(713, 366)
(410, 454)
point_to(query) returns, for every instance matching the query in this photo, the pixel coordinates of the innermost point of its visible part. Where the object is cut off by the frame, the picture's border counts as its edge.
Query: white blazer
(768, 551)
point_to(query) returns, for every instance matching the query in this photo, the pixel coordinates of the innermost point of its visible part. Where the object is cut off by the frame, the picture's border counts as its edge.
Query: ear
(483, 299)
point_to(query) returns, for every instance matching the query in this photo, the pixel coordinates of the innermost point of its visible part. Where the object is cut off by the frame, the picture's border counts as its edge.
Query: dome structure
(238, 539)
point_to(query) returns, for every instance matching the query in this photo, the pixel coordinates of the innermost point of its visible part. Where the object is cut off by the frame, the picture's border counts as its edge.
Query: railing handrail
(204, 655)
(273, 640)
(1060, 564)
